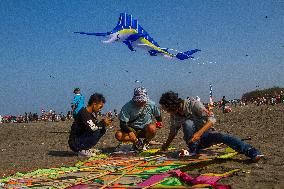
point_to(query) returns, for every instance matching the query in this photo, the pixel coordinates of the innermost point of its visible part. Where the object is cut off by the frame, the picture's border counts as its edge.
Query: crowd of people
(227, 105)
(30, 117)
(268, 99)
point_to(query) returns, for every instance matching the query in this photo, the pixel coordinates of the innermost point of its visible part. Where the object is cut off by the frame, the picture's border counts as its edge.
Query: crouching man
(86, 130)
(136, 120)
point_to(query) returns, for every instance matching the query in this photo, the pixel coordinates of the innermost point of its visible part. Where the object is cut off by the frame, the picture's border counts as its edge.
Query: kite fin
(187, 54)
(129, 45)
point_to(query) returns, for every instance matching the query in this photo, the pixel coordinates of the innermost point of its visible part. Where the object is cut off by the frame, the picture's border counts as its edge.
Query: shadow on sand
(59, 132)
(62, 153)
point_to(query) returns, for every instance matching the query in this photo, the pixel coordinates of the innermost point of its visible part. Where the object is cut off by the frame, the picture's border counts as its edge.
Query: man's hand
(195, 138)
(108, 118)
(107, 121)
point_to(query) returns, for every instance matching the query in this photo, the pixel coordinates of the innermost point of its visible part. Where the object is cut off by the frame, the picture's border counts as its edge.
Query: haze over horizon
(42, 60)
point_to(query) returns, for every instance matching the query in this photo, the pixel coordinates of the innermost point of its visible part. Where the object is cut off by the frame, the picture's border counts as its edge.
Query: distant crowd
(47, 116)
(53, 116)
(30, 117)
(226, 105)
(269, 100)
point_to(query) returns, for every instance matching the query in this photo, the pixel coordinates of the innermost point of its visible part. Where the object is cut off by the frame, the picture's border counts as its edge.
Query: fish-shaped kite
(133, 35)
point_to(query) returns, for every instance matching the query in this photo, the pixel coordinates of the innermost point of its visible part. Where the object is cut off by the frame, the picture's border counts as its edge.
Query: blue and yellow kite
(133, 35)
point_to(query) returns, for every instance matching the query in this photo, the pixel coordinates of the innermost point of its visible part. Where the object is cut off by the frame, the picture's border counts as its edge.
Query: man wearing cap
(136, 120)
(78, 102)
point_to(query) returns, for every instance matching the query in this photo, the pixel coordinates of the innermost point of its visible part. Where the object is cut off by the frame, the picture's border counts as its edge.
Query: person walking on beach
(223, 104)
(281, 97)
(86, 130)
(197, 123)
(136, 120)
(78, 102)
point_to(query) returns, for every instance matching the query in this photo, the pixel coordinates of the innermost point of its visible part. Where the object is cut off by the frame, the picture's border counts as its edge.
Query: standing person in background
(223, 104)
(69, 115)
(115, 112)
(26, 118)
(281, 97)
(30, 117)
(78, 102)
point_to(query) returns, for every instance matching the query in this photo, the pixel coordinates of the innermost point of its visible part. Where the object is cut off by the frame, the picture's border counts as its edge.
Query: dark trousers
(86, 141)
(211, 137)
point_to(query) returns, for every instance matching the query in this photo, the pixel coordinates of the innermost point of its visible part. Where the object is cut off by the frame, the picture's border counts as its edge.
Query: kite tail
(96, 34)
(187, 54)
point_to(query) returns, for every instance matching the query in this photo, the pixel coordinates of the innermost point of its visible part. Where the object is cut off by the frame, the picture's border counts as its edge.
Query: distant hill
(262, 93)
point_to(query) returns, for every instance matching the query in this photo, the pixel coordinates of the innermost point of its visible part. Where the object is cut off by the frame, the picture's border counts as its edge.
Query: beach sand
(26, 147)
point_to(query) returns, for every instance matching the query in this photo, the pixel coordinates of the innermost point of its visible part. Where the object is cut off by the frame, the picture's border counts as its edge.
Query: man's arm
(171, 137)
(173, 132)
(199, 109)
(124, 117)
(199, 133)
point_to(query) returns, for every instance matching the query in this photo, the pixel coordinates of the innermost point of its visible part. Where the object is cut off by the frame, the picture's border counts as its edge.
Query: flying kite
(133, 35)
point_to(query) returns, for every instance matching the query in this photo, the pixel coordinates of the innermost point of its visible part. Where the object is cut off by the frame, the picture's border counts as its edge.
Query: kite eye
(117, 37)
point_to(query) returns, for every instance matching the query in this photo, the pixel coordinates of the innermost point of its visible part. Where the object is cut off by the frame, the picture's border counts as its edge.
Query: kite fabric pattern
(158, 170)
(129, 32)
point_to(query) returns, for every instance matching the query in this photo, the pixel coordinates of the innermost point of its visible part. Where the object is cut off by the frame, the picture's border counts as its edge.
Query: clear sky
(42, 60)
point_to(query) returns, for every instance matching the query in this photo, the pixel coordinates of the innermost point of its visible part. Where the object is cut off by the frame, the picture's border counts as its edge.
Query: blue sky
(42, 60)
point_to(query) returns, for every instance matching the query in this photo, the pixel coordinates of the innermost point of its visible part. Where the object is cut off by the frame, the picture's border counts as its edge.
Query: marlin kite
(133, 35)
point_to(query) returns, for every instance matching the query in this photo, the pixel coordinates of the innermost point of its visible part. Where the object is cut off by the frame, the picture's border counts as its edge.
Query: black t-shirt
(85, 122)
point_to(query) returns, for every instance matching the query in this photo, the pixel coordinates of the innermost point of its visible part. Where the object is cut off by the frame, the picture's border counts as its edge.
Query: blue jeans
(211, 137)
(87, 140)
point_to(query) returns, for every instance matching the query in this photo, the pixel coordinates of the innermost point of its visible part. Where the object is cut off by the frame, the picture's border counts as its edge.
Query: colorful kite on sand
(149, 169)
(133, 35)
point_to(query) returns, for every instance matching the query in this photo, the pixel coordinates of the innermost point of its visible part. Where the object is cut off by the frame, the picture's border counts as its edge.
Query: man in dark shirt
(86, 130)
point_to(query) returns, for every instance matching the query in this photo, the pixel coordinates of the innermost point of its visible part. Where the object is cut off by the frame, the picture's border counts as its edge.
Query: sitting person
(136, 120)
(86, 130)
(197, 123)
